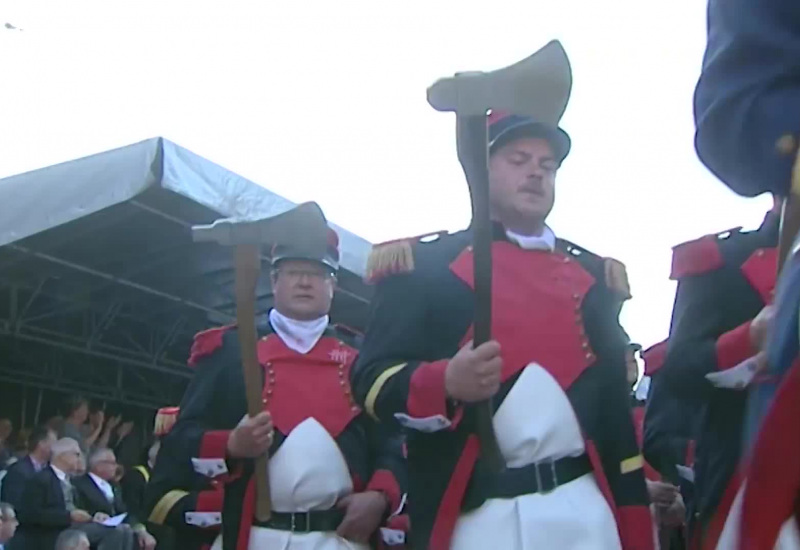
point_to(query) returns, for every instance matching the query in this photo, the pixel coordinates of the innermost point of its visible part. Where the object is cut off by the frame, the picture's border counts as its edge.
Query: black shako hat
(309, 249)
(504, 127)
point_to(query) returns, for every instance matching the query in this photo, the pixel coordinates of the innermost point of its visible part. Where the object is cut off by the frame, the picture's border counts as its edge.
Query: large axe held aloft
(539, 87)
(306, 223)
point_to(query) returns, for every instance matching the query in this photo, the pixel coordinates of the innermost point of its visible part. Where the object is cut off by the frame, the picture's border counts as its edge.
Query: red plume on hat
(165, 420)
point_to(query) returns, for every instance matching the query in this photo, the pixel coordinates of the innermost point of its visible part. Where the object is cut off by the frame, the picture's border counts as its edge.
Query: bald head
(103, 463)
(66, 455)
(72, 539)
(65, 445)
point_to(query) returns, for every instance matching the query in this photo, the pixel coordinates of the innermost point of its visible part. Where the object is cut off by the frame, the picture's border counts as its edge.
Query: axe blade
(538, 86)
(303, 224)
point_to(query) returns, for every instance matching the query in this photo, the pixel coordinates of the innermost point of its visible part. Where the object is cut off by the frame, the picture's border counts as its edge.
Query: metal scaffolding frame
(107, 304)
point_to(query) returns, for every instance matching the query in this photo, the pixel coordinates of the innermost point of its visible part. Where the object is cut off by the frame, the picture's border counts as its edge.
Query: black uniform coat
(670, 429)
(133, 485)
(723, 282)
(421, 317)
(214, 404)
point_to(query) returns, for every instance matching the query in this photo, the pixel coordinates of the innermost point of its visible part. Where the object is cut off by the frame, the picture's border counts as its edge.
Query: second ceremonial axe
(304, 224)
(538, 87)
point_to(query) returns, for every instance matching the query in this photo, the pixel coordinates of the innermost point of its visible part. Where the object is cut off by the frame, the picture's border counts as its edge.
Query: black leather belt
(304, 522)
(540, 477)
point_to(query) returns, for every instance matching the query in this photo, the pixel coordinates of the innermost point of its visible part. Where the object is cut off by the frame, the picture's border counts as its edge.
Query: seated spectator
(8, 523)
(98, 493)
(39, 444)
(72, 539)
(50, 505)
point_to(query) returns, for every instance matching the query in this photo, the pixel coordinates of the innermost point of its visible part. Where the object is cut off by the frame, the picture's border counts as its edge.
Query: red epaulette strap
(207, 342)
(654, 358)
(696, 257)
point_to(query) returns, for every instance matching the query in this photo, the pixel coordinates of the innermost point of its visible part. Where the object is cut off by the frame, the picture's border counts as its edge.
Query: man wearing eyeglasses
(99, 495)
(334, 478)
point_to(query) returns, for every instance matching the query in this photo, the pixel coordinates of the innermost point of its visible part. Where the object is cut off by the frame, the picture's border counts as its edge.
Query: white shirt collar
(545, 241)
(301, 336)
(60, 474)
(103, 485)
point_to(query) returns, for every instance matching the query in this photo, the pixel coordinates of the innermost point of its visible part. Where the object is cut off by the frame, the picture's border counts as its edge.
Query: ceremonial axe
(303, 224)
(539, 87)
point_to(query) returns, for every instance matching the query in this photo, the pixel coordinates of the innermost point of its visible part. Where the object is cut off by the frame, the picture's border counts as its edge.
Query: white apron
(788, 538)
(536, 422)
(307, 473)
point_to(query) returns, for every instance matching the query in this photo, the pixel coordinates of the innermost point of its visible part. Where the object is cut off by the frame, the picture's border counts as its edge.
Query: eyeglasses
(312, 274)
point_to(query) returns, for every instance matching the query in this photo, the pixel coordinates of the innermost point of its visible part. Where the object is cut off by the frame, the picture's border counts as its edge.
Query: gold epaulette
(617, 278)
(392, 258)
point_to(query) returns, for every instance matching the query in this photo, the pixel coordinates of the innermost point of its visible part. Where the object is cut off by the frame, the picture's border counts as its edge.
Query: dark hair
(73, 403)
(39, 434)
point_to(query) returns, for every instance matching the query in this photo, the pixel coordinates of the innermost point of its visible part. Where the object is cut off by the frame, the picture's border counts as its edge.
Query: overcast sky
(326, 101)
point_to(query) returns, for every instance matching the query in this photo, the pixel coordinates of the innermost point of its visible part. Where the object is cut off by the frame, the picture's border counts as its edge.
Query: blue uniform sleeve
(747, 101)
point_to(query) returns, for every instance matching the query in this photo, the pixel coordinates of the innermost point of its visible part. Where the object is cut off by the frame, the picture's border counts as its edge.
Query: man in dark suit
(39, 443)
(50, 505)
(100, 496)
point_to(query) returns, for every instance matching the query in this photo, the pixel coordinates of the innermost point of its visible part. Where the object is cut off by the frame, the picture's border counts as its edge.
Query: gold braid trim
(145, 474)
(617, 278)
(167, 502)
(375, 390)
(389, 259)
(631, 464)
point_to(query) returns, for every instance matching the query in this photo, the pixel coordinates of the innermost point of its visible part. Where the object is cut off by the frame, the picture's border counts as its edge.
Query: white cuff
(210, 467)
(203, 519)
(392, 537)
(428, 424)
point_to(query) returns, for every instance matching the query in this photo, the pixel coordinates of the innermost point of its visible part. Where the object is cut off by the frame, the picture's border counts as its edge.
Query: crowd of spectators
(61, 483)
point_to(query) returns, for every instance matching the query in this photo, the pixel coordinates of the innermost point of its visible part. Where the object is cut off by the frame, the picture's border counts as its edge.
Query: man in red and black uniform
(182, 508)
(724, 283)
(334, 475)
(670, 424)
(556, 372)
(669, 439)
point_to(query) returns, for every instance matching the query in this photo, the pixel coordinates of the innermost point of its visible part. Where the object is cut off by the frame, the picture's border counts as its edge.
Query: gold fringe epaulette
(392, 258)
(165, 419)
(617, 278)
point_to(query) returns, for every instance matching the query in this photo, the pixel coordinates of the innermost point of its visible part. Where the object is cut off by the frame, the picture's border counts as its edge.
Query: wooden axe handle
(473, 155)
(248, 267)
